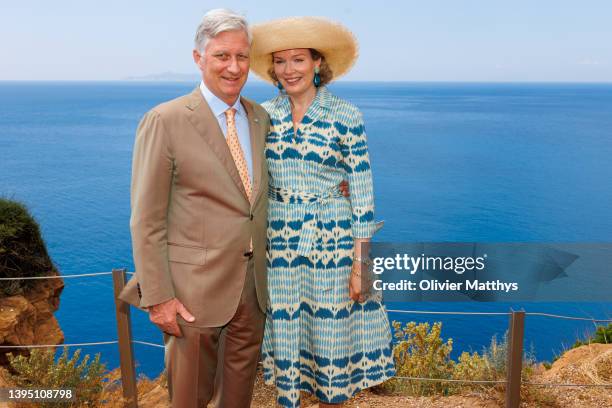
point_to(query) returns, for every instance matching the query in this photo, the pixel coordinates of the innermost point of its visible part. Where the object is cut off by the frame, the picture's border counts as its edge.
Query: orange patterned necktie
(236, 150)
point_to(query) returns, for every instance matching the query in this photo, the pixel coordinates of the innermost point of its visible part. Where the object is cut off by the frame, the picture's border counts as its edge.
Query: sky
(434, 40)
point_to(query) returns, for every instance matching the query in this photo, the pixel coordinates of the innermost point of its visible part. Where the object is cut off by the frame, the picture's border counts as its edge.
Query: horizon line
(177, 81)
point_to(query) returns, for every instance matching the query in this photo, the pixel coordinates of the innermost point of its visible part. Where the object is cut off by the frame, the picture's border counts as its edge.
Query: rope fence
(146, 343)
(432, 312)
(566, 385)
(125, 341)
(60, 276)
(556, 316)
(396, 377)
(588, 319)
(98, 343)
(449, 312)
(56, 276)
(451, 380)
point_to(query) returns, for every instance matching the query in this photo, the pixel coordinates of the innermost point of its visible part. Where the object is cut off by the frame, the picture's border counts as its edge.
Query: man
(199, 208)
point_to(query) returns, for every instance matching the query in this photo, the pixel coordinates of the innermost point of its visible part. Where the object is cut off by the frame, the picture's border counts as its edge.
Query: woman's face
(294, 69)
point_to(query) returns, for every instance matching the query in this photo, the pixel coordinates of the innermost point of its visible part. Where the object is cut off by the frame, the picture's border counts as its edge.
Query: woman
(323, 335)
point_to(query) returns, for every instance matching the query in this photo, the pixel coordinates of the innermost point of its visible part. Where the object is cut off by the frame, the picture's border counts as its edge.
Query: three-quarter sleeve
(356, 162)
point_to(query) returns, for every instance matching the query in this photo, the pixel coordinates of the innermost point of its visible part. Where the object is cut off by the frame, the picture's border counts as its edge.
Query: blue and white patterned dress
(317, 339)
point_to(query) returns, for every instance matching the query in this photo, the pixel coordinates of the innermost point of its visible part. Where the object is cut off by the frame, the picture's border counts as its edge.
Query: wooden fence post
(126, 350)
(514, 365)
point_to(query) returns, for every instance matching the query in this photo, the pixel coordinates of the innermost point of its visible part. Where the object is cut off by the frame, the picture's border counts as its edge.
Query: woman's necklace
(297, 114)
(297, 119)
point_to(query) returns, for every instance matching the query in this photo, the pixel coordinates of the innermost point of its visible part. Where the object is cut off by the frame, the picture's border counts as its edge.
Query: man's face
(225, 64)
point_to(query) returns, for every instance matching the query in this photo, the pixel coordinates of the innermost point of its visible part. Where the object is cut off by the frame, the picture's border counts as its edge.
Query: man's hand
(164, 316)
(344, 188)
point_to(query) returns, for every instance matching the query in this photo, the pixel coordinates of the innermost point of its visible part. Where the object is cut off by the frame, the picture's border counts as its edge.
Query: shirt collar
(317, 107)
(217, 106)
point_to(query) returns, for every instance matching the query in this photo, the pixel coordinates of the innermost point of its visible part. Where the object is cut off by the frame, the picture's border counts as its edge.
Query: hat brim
(335, 42)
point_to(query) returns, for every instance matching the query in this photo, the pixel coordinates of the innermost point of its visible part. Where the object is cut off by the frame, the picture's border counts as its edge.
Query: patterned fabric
(317, 339)
(236, 151)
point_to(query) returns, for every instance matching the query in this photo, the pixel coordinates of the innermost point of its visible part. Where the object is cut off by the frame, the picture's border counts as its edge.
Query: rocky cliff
(28, 318)
(26, 306)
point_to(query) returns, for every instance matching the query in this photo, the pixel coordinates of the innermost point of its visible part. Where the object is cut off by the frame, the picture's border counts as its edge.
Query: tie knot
(230, 113)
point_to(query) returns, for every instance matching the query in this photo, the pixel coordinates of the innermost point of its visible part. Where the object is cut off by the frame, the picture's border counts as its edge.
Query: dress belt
(312, 208)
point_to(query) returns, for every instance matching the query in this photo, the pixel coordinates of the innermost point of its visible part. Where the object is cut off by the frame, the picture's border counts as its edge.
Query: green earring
(317, 77)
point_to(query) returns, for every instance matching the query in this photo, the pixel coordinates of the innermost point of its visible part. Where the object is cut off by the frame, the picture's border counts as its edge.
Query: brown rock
(5, 383)
(28, 318)
(17, 319)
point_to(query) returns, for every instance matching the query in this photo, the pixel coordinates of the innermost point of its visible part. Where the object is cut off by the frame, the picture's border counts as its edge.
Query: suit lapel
(202, 118)
(257, 142)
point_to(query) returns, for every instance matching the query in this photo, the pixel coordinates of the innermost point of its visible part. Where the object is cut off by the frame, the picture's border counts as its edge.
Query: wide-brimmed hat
(334, 41)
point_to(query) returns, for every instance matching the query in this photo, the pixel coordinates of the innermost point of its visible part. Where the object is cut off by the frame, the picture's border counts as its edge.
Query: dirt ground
(590, 364)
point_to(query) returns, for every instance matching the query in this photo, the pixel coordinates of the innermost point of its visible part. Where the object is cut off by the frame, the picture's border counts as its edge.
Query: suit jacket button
(251, 217)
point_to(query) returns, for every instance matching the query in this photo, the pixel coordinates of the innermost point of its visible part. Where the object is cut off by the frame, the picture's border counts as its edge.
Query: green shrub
(602, 335)
(40, 370)
(490, 364)
(22, 249)
(473, 367)
(420, 352)
(497, 354)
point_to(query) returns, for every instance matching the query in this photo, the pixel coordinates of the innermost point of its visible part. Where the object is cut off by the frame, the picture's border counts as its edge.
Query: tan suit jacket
(191, 220)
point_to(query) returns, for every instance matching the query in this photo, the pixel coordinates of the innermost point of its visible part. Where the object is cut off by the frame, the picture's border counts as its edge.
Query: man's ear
(197, 57)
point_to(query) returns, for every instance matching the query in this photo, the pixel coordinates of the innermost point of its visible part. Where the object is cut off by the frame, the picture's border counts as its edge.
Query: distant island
(166, 76)
(174, 77)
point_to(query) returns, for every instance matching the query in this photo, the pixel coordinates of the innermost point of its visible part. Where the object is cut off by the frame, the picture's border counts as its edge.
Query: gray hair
(217, 21)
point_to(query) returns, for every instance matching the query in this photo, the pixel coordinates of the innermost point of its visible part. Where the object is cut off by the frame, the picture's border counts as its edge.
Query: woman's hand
(355, 281)
(359, 272)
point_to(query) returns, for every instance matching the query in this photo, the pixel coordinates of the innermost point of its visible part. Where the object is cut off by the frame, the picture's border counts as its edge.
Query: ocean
(465, 162)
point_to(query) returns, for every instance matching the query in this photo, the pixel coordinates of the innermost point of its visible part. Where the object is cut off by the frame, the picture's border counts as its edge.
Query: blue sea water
(451, 161)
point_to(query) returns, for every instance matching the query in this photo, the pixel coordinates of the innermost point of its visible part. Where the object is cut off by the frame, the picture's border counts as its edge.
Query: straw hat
(334, 41)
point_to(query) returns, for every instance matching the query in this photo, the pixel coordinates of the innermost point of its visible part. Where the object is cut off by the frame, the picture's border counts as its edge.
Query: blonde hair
(325, 72)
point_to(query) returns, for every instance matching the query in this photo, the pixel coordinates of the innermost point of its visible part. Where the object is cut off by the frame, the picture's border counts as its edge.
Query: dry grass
(590, 364)
(584, 365)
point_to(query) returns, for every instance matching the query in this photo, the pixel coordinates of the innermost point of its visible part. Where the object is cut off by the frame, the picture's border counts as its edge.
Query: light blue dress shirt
(218, 108)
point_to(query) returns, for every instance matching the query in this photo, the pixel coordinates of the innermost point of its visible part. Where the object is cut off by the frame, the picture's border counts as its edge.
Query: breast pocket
(186, 254)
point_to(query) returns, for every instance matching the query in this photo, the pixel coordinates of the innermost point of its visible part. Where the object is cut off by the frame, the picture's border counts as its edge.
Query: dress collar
(317, 108)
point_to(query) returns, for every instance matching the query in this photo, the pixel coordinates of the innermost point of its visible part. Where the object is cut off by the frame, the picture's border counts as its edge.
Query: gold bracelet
(365, 261)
